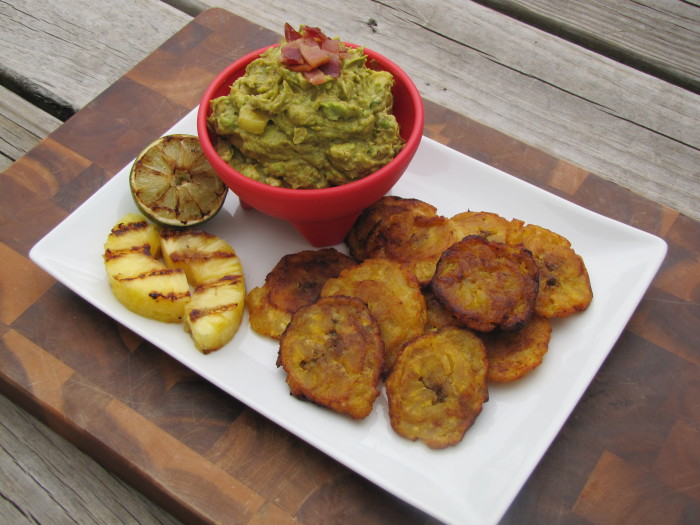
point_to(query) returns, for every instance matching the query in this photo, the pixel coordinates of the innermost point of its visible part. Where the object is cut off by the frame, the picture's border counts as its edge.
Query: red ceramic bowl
(322, 216)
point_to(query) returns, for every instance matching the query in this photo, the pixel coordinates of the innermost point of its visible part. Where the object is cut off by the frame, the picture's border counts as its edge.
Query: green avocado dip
(286, 128)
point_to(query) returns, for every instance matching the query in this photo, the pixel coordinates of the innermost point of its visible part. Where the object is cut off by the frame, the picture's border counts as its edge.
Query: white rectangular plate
(473, 482)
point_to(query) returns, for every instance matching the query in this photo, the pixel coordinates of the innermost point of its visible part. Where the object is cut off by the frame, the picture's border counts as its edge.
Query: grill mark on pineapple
(231, 277)
(168, 297)
(198, 313)
(192, 252)
(144, 249)
(184, 257)
(172, 233)
(124, 228)
(155, 295)
(152, 273)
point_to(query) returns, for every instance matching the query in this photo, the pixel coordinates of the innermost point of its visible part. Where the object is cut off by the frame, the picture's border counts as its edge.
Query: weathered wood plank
(76, 49)
(48, 480)
(22, 126)
(660, 37)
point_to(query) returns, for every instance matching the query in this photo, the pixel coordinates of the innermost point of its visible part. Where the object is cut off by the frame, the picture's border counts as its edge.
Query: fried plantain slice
(297, 278)
(438, 387)
(373, 216)
(487, 285)
(332, 352)
(484, 223)
(265, 318)
(512, 355)
(295, 281)
(393, 296)
(437, 315)
(565, 287)
(415, 240)
(405, 230)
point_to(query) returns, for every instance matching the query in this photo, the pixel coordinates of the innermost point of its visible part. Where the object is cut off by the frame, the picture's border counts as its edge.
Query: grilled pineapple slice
(203, 256)
(131, 232)
(215, 312)
(139, 281)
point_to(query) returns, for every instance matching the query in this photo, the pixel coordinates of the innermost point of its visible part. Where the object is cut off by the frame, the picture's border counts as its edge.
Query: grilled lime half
(174, 185)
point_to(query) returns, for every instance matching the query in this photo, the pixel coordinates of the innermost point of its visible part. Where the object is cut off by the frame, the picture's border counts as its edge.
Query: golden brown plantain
(295, 281)
(487, 285)
(371, 218)
(405, 230)
(512, 355)
(564, 286)
(393, 296)
(438, 387)
(333, 355)
(483, 223)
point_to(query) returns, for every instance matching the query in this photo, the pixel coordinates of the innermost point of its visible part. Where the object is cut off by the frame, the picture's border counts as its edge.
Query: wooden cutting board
(630, 451)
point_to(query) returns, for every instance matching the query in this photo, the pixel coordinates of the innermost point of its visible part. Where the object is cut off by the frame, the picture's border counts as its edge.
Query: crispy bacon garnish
(331, 45)
(291, 54)
(315, 76)
(290, 34)
(314, 32)
(310, 52)
(332, 67)
(314, 55)
(299, 68)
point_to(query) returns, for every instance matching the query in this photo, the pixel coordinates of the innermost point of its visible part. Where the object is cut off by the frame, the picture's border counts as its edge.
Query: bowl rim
(405, 155)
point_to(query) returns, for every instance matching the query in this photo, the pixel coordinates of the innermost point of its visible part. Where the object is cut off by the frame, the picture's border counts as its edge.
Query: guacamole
(278, 127)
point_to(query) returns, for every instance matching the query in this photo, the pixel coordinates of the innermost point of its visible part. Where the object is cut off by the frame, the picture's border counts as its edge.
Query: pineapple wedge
(215, 312)
(133, 231)
(203, 256)
(139, 281)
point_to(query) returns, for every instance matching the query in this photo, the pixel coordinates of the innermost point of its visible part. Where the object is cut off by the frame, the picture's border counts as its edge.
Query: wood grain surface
(661, 37)
(630, 452)
(36, 485)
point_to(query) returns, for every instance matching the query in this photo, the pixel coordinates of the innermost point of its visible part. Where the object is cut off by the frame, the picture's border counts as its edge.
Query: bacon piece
(311, 52)
(299, 68)
(290, 34)
(314, 55)
(315, 33)
(332, 67)
(315, 77)
(291, 54)
(331, 45)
